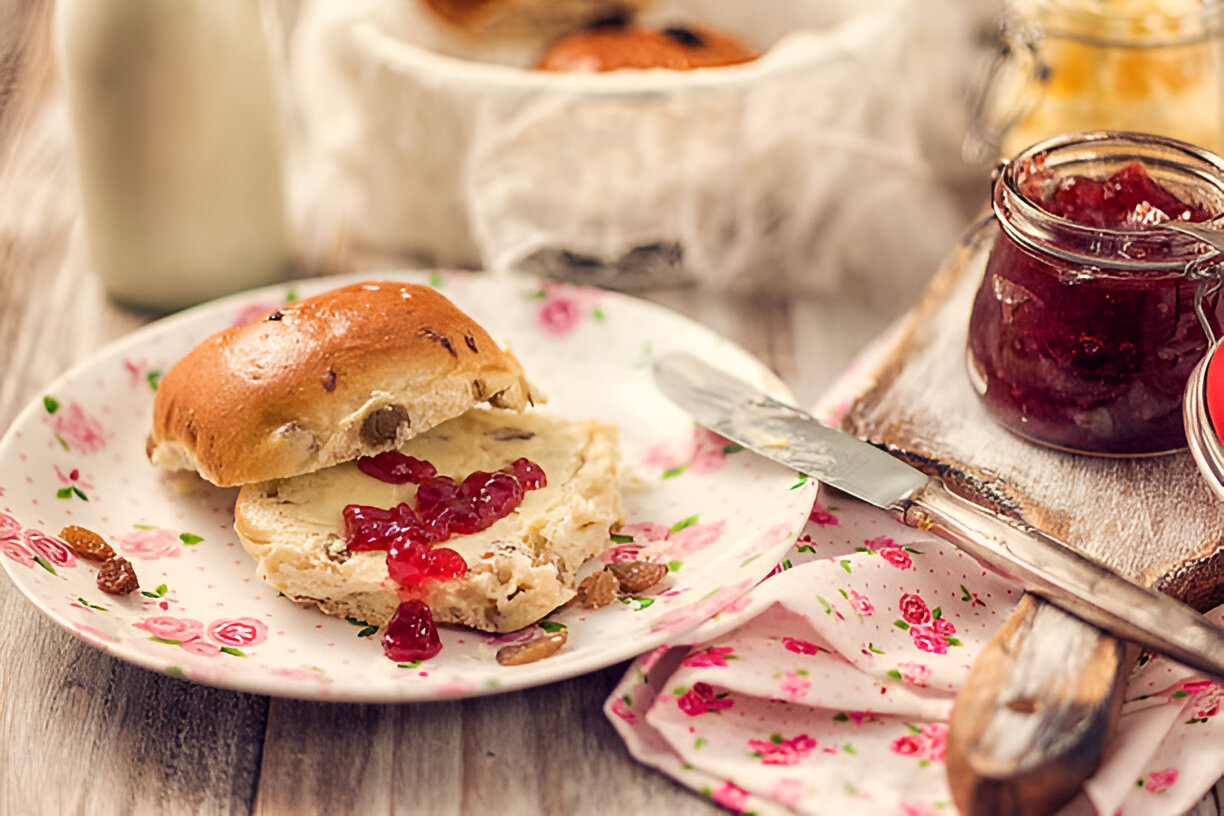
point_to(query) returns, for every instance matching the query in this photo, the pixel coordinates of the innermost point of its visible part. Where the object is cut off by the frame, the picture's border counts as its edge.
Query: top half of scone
(352, 372)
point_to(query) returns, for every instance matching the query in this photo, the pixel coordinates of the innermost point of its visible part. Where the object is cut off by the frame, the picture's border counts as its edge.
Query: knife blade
(1044, 566)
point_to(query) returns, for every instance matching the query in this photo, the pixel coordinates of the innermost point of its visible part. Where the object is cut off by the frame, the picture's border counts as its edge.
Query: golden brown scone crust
(679, 48)
(351, 372)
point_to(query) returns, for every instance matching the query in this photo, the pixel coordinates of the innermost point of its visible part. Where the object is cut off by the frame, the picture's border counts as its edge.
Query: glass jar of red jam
(1084, 332)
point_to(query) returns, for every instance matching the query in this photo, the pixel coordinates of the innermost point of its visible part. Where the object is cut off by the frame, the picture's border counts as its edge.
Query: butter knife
(1044, 566)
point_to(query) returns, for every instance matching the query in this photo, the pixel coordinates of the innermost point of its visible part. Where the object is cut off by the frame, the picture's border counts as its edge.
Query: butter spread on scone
(520, 569)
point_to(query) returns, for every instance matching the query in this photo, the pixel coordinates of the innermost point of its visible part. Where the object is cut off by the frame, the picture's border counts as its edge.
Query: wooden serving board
(1031, 722)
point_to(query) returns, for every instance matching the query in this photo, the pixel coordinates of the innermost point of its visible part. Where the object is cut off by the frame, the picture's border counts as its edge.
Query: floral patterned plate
(719, 517)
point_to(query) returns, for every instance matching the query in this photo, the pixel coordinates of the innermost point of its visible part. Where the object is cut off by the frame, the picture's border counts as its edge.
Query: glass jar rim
(1075, 19)
(1115, 251)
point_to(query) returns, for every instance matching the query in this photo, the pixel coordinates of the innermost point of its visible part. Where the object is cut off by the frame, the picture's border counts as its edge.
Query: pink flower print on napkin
(713, 656)
(860, 604)
(943, 626)
(890, 551)
(701, 699)
(908, 745)
(731, 796)
(52, 550)
(928, 640)
(788, 791)
(935, 736)
(74, 428)
(795, 686)
(800, 646)
(914, 673)
(928, 743)
(1205, 698)
(914, 610)
(168, 628)
(149, 545)
(822, 517)
(898, 557)
(777, 751)
(620, 707)
(9, 526)
(928, 630)
(238, 632)
(1158, 781)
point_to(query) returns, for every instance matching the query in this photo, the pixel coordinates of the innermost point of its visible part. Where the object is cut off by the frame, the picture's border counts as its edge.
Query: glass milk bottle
(174, 121)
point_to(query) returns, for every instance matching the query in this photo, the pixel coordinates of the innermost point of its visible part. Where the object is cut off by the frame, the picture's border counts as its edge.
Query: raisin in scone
(519, 569)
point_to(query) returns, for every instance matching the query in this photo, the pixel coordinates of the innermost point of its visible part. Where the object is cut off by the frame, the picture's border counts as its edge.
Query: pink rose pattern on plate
(150, 544)
(705, 454)
(228, 635)
(81, 453)
(563, 307)
(835, 698)
(30, 547)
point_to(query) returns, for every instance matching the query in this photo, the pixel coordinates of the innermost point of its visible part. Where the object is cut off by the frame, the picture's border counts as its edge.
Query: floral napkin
(828, 688)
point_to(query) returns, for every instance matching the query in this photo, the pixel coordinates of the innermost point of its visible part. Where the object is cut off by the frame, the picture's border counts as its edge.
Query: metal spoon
(1208, 235)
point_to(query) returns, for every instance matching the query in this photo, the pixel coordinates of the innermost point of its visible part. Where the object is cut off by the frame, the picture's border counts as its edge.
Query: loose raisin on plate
(87, 544)
(518, 654)
(598, 589)
(116, 577)
(637, 576)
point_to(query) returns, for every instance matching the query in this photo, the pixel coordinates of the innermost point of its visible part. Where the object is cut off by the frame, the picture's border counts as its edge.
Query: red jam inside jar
(1083, 332)
(410, 535)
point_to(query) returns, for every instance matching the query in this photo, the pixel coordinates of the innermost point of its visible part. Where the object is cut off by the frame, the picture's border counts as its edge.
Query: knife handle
(1055, 572)
(1030, 724)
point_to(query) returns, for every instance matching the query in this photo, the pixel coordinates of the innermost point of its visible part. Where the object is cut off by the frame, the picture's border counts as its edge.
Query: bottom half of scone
(519, 569)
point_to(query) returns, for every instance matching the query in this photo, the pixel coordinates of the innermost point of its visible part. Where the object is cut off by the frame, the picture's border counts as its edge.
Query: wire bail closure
(1208, 272)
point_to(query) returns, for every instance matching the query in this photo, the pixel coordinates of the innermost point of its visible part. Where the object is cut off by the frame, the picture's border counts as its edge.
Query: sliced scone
(519, 569)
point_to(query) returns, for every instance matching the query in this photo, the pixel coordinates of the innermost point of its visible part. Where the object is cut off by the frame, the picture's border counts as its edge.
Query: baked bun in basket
(675, 48)
(521, 19)
(348, 373)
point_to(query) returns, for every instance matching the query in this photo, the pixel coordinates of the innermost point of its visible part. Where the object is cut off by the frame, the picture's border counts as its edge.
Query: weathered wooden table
(81, 732)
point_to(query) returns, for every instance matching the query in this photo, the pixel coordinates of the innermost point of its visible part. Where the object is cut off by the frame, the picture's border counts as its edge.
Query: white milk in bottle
(174, 121)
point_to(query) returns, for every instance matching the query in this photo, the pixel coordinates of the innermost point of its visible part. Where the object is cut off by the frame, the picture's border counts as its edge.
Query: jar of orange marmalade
(1153, 66)
(1084, 330)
